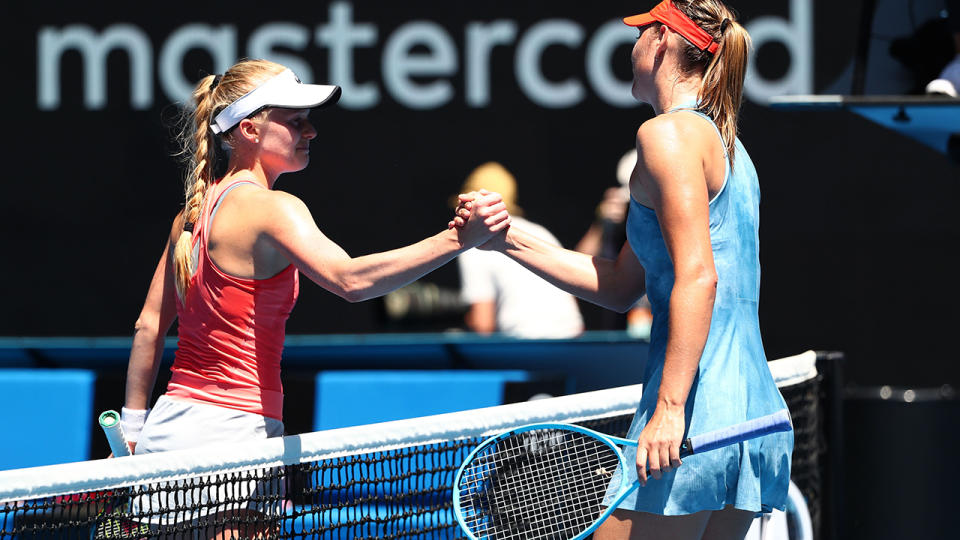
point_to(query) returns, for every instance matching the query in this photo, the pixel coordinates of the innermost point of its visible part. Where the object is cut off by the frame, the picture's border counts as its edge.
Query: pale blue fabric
(733, 383)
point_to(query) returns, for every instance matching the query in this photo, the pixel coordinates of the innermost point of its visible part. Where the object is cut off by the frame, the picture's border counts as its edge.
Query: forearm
(601, 281)
(370, 276)
(691, 308)
(158, 313)
(145, 355)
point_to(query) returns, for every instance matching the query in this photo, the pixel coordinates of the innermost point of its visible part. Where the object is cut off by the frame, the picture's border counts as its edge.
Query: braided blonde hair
(199, 148)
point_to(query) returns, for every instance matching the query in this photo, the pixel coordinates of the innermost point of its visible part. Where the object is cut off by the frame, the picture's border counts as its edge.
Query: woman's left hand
(483, 216)
(465, 204)
(659, 443)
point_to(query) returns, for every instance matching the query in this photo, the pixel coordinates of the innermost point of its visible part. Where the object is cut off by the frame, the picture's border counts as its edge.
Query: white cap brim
(284, 90)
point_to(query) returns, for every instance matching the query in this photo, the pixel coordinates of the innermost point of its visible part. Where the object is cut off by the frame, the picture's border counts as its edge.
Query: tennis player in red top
(230, 271)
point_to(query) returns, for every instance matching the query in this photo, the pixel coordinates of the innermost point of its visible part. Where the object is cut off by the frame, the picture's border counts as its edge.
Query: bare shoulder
(670, 135)
(266, 205)
(664, 145)
(275, 213)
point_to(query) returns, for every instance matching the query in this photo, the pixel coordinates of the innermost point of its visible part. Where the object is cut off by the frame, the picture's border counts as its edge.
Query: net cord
(53, 480)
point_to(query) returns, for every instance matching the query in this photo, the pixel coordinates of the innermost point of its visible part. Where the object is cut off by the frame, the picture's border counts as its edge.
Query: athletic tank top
(231, 331)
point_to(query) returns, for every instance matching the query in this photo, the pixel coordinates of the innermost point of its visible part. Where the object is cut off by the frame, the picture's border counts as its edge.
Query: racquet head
(538, 481)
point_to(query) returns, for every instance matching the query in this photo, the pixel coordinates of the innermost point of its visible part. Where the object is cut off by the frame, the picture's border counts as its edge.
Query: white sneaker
(949, 81)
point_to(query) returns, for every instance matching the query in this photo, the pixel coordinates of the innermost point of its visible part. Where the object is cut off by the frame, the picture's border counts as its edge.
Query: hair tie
(188, 227)
(724, 25)
(216, 81)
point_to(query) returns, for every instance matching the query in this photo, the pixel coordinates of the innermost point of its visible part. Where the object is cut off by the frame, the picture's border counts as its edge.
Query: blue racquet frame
(773, 423)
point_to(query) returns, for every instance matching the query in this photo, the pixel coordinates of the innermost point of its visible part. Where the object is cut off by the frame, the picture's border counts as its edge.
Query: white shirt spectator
(526, 306)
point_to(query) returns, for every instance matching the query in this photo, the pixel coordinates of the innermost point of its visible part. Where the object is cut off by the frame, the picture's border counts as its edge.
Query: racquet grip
(771, 423)
(110, 422)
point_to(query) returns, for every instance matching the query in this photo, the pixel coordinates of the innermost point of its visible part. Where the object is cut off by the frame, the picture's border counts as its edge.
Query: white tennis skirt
(175, 424)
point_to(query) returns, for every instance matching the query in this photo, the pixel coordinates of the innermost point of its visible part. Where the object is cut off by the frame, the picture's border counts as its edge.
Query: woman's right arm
(158, 313)
(615, 284)
(290, 228)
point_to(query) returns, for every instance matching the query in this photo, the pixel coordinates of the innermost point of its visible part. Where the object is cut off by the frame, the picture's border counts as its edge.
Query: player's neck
(671, 94)
(253, 172)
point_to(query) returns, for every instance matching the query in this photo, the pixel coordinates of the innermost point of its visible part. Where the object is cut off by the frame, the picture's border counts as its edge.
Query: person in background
(231, 264)
(605, 237)
(502, 296)
(949, 80)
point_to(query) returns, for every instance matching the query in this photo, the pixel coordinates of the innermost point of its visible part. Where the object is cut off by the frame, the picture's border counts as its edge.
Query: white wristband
(132, 420)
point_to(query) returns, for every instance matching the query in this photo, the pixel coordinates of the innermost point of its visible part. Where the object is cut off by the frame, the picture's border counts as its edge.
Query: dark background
(859, 232)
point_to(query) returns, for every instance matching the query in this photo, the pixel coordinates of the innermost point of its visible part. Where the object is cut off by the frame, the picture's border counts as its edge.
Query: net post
(830, 365)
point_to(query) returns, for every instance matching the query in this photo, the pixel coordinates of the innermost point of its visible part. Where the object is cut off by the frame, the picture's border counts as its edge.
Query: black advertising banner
(859, 233)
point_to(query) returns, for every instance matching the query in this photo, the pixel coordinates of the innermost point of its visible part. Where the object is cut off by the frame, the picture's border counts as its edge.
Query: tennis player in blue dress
(692, 245)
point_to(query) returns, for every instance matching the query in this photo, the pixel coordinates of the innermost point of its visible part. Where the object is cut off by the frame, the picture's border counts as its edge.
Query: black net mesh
(403, 493)
(808, 444)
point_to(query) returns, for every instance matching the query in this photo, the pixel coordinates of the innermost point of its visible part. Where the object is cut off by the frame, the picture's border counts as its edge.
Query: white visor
(284, 90)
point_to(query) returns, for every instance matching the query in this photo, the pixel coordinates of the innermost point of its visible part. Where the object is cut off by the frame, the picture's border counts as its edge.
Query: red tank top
(231, 332)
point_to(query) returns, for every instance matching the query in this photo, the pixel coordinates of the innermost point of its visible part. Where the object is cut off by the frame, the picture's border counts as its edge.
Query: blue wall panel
(350, 398)
(50, 414)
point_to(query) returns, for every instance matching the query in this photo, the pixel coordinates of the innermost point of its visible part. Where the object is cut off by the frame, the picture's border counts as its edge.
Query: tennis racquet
(549, 480)
(113, 507)
(110, 422)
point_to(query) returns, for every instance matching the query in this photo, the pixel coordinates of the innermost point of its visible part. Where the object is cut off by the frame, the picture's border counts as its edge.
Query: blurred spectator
(606, 236)
(502, 295)
(608, 231)
(949, 80)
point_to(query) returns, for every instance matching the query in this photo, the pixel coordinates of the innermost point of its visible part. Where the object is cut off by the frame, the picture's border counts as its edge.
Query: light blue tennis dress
(733, 382)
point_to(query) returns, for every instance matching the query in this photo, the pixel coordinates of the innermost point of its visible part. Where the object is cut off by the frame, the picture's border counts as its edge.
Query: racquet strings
(113, 522)
(538, 484)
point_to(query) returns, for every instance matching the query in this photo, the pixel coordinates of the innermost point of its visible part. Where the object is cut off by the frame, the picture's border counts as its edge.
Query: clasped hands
(479, 216)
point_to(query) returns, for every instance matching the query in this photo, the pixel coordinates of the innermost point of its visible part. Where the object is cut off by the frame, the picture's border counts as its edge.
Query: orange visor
(668, 14)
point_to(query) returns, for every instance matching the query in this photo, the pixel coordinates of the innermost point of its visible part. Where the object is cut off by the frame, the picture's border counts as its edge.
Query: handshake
(479, 217)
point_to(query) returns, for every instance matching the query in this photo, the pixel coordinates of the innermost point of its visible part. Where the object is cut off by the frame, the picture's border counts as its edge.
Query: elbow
(147, 325)
(696, 285)
(705, 280)
(353, 296)
(625, 306)
(624, 302)
(353, 290)
(709, 282)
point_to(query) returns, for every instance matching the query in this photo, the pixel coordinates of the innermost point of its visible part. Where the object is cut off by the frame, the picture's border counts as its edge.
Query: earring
(256, 141)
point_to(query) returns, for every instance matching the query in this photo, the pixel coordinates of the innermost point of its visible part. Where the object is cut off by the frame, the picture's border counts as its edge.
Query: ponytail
(721, 93)
(721, 90)
(198, 146)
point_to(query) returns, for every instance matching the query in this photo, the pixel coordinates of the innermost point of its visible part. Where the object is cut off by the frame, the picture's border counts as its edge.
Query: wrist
(509, 240)
(132, 420)
(670, 405)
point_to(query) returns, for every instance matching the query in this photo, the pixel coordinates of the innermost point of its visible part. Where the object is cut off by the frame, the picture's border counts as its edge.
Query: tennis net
(391, 480)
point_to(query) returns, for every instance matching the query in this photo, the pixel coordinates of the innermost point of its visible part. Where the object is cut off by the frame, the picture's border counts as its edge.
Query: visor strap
(699, 34)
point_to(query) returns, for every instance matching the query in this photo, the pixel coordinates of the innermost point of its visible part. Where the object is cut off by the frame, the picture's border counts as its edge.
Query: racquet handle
(110, 422)
(771, 423)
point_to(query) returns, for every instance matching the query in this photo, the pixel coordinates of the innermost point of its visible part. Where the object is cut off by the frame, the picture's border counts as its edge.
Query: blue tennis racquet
(549, 480)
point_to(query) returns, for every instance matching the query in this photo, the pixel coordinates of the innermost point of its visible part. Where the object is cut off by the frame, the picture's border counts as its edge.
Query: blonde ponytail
(199, 147)
(721, 91)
